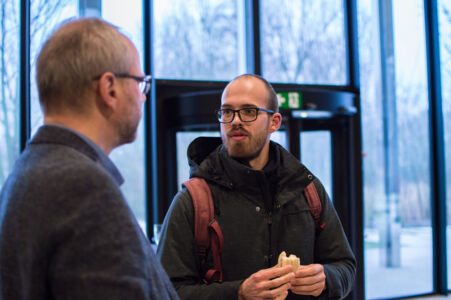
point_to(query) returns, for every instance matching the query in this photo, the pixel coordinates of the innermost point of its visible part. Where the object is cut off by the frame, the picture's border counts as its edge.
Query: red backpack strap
(314, 204)
(207, 232)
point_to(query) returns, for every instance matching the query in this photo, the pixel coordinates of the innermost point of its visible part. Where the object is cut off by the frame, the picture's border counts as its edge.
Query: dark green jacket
(261, 213)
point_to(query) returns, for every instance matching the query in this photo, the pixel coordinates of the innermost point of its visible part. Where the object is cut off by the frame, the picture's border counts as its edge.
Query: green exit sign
(290, 100)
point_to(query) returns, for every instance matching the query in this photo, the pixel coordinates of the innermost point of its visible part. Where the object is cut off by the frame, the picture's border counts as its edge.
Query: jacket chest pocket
(295, 207)
(297, 226)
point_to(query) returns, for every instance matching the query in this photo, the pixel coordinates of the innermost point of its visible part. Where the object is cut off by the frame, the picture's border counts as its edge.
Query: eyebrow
(227, 106)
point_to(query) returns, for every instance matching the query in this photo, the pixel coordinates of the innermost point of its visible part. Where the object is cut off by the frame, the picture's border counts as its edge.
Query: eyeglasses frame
(235, 111)
(146, 79)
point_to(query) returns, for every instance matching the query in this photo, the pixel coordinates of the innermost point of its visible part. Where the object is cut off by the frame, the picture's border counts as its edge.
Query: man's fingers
(277, 282)
(309, 270)
(278, 293)
(282, 296)
(279, 271)
(272, 283)
(315, 292)
(274, 272)
(307, 287)
(309, 280)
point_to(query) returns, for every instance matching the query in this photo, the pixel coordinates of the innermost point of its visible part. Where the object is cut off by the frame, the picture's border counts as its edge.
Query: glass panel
(45, 15)
(9, 84)
(130, 158)
(303, 41)
(316, 155)
(130, 161)
(444, 11)
(183, 139)
(372, 145)
(280, 137)
(398, 231)
(197, 39)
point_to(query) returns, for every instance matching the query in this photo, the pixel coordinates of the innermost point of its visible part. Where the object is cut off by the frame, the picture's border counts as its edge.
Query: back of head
(73, 56)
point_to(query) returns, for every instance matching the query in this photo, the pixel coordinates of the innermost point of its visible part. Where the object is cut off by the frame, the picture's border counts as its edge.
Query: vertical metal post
(90, 8)
(149, 124)
(253, 51)
(437, 152)
(352, 38)
(293, 129)
(355, 146)
(390, 235)
(25, 127)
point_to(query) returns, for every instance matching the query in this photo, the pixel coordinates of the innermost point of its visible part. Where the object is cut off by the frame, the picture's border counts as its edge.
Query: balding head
(271, 97)
(251, 105)
(73, 56)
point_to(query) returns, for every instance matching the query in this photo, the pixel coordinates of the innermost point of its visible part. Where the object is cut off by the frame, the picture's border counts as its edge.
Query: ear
(275, 122)
(108, 85)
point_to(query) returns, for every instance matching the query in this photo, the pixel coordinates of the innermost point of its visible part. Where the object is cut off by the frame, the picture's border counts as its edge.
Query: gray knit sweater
(66, 231)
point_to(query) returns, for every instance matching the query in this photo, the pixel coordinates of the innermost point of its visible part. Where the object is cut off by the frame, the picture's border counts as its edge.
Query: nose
(236, 119)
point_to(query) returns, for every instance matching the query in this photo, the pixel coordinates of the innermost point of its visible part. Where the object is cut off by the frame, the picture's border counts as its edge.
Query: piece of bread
(292, 260)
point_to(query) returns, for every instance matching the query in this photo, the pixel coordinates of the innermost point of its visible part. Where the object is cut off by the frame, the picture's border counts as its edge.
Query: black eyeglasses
(144, 82)
(250, 114)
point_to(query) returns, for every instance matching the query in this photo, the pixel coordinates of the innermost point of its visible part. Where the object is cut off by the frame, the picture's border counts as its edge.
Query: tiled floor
(433, 298)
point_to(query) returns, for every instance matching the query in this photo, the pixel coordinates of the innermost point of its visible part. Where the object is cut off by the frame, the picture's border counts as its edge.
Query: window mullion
(437, 152)
(25, 116)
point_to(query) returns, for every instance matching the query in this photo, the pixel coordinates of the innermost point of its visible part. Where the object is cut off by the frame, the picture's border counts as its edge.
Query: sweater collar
(62, 135)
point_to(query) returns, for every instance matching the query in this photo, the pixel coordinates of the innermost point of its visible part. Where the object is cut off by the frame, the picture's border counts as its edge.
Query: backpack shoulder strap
(203, 210)
(207, 233)
(314, 204)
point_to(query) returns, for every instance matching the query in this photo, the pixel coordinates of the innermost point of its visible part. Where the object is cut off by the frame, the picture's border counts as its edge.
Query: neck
(92, 128)
(260, 161)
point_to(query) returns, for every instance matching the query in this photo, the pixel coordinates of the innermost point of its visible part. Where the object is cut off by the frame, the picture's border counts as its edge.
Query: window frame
(253, 62)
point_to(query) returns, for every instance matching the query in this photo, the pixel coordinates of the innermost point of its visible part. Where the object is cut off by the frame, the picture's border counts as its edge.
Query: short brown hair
(73, 55)
(273, 102)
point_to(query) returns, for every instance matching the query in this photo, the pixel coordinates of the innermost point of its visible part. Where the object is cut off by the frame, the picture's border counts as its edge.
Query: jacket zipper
(269, 221)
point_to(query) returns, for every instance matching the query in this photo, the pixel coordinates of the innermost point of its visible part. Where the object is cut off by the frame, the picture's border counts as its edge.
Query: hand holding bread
(292, 260)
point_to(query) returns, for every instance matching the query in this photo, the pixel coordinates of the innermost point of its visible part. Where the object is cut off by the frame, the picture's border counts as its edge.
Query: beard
(247, 149)
(127, 129)
(128, 135)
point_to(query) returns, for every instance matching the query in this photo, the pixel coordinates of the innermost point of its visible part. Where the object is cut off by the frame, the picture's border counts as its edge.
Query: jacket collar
(209, 159)
(62, 135)
(243, 176)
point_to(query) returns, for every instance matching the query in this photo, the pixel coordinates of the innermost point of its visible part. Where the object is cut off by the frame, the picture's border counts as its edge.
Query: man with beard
(257, 189)
(66, 231)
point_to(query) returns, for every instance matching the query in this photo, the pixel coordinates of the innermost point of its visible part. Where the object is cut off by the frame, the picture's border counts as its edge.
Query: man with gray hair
(66, 231)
